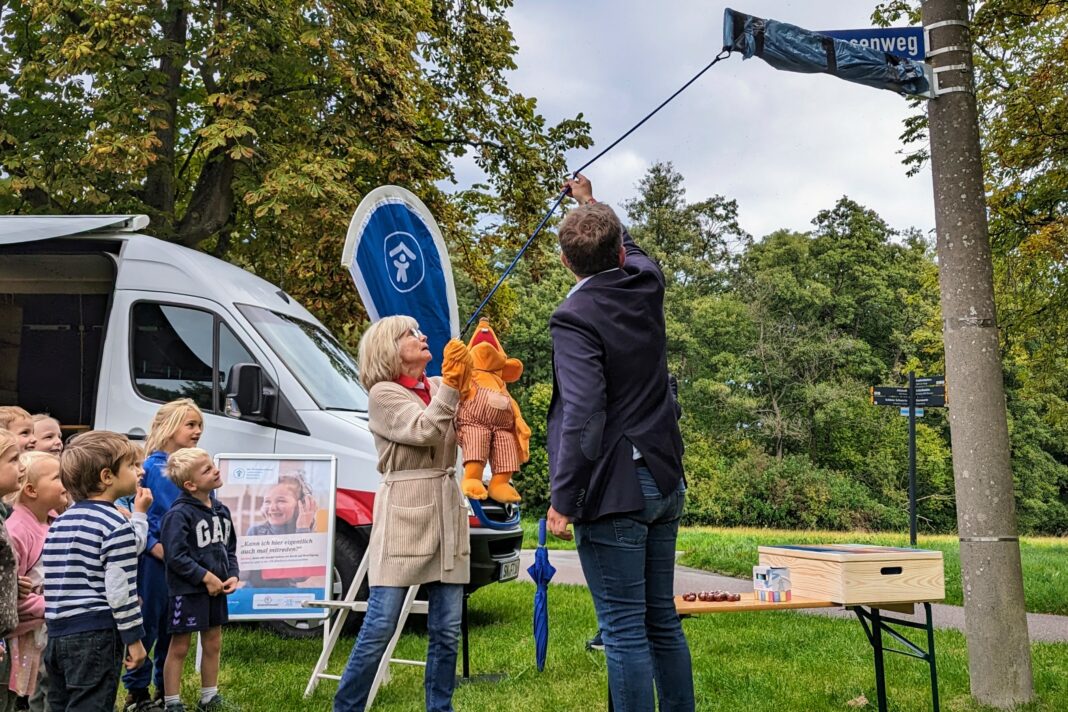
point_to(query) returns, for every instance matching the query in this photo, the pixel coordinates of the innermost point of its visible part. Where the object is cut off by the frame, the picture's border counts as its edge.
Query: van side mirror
(244, 391)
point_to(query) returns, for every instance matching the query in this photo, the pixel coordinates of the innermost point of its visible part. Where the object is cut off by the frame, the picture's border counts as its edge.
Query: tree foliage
(776, 343)
(254, 128)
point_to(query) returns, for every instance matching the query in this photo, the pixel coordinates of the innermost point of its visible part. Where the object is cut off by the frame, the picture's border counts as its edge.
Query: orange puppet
(489, 426)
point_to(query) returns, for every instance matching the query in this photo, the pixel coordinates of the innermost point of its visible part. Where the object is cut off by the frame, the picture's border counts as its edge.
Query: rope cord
(563, 193)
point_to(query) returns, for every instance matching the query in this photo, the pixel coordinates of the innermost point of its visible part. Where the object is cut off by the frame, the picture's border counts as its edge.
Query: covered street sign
(796, 49)
(904, 42)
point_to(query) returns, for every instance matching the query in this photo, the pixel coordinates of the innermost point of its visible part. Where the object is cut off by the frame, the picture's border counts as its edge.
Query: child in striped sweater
(90, 563)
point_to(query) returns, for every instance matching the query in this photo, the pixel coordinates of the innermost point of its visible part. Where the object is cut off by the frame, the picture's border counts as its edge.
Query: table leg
(931, 657)
(877, 647)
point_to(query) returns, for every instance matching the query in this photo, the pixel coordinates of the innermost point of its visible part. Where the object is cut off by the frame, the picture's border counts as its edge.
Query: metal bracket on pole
(935, 25)
(936, 89)
(936, 85)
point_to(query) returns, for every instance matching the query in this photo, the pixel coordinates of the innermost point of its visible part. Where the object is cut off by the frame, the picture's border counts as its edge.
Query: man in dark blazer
(615, 454)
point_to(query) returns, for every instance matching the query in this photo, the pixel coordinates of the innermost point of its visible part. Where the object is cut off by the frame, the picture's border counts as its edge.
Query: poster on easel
(282, 507)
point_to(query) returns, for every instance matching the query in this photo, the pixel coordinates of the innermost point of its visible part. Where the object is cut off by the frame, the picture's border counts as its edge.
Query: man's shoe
(216, 704)
(139, 701)
(595, 643)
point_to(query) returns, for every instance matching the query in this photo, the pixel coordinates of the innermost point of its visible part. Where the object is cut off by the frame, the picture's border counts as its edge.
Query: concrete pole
(999, 654)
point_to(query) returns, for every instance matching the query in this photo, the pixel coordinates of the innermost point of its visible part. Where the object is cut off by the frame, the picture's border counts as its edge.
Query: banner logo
(404, 261)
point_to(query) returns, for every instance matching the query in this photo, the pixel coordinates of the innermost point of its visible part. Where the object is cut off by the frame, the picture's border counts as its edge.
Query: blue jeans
(152, 588)
(445, 606)
(84, 671)
(629, 564)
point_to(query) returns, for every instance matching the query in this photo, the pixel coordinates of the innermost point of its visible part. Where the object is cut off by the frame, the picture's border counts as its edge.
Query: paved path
(1044, 628)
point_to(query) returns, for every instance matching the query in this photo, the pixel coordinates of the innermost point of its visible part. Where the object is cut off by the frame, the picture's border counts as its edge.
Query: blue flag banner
(795, 49)
(398, 260)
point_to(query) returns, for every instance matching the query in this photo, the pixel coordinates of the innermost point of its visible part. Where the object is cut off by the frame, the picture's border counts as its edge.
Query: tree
(253, 129)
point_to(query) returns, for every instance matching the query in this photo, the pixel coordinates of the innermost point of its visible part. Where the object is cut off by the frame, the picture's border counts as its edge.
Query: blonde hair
(89, 454)
(38, 417)
(8, 441)
(10, 413)
(181, 462)
(167, 420)
(31, 470)
(379, 352)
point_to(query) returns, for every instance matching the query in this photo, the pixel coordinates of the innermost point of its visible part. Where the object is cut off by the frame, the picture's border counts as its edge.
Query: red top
(419, 386)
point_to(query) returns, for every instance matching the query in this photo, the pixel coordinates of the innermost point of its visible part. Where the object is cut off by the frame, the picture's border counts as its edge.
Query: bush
(791, 493)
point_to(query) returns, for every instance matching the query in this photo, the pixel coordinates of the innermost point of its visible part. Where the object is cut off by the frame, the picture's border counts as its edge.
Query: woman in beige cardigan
(420, 533)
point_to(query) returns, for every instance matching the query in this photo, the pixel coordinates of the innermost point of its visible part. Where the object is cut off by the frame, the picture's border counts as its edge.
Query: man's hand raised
(580, 189)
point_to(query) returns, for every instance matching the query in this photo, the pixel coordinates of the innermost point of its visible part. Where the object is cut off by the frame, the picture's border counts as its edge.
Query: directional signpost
(922, 392)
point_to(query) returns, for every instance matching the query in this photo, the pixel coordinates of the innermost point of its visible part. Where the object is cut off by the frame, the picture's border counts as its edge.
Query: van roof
(150, 264)
(30, 228)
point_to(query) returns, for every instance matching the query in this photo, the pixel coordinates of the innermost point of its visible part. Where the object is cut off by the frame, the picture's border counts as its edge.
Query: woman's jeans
(445, 604)
(629, 564)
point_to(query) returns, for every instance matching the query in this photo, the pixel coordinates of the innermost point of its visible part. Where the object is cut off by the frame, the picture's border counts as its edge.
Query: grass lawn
(734, 552)
(754, 661)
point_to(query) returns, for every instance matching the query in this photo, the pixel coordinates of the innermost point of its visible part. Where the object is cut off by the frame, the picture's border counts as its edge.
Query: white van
(100, 324)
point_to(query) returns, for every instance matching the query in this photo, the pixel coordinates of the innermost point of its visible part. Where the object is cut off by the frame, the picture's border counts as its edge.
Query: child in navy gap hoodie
(200, 549)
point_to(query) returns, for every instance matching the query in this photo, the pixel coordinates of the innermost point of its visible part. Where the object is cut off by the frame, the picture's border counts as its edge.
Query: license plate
(509, 570)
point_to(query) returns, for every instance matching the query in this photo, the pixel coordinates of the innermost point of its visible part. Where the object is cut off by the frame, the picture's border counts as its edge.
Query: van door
(162, 347)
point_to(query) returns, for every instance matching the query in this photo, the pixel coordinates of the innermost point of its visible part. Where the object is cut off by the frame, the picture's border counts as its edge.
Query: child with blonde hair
(41, 491)
(176, 425)
(201, 549)
(48, 433)
(10, 472)
(19, 422)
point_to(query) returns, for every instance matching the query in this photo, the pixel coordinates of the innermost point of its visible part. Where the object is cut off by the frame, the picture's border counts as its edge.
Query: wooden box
(857, 574)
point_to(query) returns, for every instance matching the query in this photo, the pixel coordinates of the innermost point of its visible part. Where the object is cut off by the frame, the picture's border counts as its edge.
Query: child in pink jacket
(41, 492)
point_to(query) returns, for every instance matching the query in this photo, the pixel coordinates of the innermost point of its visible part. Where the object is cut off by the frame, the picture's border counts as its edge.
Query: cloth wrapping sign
(794, 49)
(398, 260)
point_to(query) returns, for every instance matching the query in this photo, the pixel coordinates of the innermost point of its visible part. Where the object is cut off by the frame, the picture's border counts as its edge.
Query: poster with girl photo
(282, 507)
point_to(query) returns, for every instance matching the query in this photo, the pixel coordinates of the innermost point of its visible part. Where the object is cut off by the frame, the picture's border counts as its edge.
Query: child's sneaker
(174, 707)
(216, 704)
(595, 643)
(139, 701)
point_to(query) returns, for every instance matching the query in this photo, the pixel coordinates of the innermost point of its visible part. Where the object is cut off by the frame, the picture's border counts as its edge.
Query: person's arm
(579, 364)
(32, 604)
(396, 417)
(153, 479)
(179, 556)
(119, 553)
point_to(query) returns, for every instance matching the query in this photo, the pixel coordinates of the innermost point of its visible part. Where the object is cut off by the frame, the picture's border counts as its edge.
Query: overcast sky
(784, 145)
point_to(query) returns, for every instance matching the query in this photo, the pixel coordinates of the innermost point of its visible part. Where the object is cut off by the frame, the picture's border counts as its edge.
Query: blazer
(611, 392)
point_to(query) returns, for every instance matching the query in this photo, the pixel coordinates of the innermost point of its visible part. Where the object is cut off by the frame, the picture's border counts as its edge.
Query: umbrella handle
(541, 532)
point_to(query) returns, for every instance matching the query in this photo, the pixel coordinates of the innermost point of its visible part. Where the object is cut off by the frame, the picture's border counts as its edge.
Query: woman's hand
(456, 366)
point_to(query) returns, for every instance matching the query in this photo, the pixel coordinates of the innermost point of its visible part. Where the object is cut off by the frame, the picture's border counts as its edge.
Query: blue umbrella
(541, 571)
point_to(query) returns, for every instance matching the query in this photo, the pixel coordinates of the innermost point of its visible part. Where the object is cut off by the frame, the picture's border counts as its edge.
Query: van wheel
(349, 547)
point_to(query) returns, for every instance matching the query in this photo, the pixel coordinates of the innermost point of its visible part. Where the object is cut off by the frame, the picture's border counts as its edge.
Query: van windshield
(313, 356)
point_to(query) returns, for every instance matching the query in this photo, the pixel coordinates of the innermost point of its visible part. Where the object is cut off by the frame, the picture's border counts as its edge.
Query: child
(47, 432)
(41, 494)
(90, 563)
(41, 491)
(20, 423)
(201, 552)
(288, 508)
(10, 471)
(177, 425)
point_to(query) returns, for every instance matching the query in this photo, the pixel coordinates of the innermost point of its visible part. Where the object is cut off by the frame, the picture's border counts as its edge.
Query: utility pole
(999, 653)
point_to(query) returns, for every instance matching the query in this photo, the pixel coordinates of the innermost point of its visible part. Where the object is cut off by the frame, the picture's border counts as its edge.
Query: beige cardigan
(420, 531)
